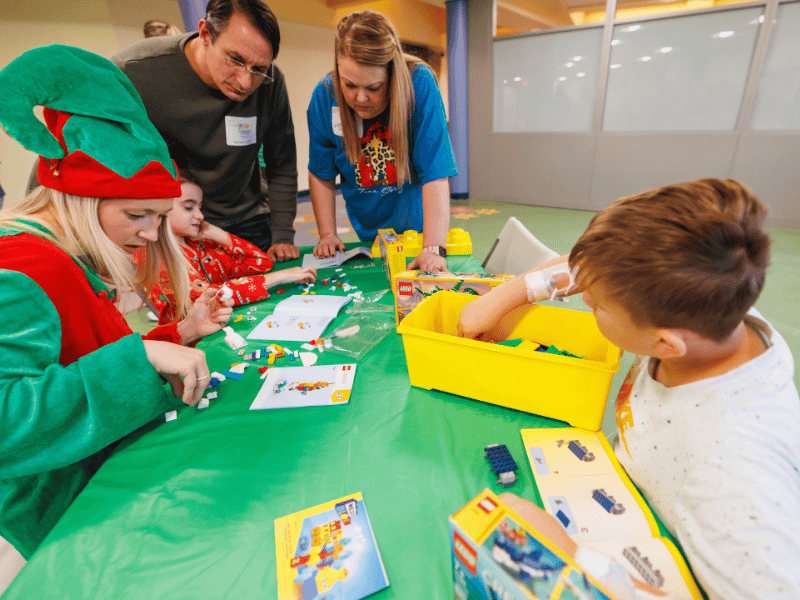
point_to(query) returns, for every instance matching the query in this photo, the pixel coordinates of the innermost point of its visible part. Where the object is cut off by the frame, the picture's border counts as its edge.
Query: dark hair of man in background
(219, 12)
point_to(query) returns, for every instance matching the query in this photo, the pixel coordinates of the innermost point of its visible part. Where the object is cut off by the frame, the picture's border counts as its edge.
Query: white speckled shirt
(719, 460)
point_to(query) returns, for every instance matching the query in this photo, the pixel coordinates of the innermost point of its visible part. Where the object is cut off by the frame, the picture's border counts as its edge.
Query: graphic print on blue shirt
(377, 164)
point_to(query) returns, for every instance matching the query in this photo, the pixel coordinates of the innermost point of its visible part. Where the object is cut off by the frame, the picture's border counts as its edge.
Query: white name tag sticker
(336, 121)
(240, 131)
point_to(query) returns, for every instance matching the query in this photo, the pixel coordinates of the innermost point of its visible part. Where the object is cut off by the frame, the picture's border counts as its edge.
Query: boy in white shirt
(708, 418)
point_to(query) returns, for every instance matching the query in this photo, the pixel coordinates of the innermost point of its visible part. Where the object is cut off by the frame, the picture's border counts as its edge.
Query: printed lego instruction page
(580, 486)
(293, 387)
(299, 318)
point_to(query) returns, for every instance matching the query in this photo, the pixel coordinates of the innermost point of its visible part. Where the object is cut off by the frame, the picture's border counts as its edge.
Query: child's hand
(213, 233)
(298, 275)
(475, 321)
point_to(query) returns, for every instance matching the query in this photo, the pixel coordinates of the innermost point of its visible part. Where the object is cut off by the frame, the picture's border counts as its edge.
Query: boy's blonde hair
(83, 237)
(686, 256)
(370, 39)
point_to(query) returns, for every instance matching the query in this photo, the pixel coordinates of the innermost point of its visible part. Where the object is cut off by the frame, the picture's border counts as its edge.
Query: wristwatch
(440, 250)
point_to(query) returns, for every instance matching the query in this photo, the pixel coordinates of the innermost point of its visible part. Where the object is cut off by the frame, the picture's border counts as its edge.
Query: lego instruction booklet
(582, 484)
(299, 318)
(328, 551)
(293, 387)
(309, 260)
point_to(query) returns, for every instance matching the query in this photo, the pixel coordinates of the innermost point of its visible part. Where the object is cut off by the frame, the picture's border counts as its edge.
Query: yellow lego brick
(458, 243)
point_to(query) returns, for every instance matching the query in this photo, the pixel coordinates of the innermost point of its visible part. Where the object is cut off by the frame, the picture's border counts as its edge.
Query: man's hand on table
(283, 252)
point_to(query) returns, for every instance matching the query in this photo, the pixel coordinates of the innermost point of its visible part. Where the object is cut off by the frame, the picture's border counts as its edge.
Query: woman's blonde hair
(370, 39)
(82, 236)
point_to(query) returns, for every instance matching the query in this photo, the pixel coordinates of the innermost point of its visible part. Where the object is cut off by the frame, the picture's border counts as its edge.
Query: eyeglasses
(238, 66)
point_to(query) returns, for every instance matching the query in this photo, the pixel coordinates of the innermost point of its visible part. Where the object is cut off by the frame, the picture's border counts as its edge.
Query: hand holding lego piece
(224, 294)
(185, 369)
(207, 315)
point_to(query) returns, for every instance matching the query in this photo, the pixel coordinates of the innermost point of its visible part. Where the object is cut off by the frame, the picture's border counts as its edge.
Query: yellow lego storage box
(412, 287)
(570, 389)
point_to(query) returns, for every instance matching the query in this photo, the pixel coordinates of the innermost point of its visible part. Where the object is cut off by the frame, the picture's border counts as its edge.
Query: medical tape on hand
(542, 284)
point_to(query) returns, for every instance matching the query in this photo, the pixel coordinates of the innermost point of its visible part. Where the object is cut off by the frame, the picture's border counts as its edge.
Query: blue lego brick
(500, 459)
(563, 518)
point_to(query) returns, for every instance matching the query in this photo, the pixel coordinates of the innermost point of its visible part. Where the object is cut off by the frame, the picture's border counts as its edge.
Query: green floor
(559, 229)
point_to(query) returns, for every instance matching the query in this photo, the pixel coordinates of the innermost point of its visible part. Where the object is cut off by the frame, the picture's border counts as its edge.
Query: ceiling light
(666, 49)
(645, 58)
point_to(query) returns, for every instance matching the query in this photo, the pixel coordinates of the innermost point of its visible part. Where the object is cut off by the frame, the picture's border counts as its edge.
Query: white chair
(516, 250)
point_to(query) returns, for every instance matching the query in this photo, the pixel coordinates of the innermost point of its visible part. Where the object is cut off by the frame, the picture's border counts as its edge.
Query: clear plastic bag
(372, 328)
(370, 304)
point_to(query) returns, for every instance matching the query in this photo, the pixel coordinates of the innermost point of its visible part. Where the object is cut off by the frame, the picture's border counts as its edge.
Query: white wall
(100, 26)
(305, 57)
(590, 169)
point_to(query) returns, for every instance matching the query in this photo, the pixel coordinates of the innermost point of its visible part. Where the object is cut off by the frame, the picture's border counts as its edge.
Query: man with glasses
(217, 98)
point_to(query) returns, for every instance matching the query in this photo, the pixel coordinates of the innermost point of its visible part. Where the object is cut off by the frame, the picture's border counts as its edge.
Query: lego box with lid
(561, 387)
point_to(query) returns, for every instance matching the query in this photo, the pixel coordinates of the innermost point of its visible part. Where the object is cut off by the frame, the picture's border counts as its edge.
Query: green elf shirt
(74, 379)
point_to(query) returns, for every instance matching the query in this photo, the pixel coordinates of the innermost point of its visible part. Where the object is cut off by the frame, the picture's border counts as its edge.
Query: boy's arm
(479, 317)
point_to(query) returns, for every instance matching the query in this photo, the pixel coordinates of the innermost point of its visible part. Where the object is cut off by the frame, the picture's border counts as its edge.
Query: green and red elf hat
(98, 141)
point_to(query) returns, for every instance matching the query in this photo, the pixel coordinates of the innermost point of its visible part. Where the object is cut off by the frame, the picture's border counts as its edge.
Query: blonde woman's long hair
(82, 236)
(370, 39)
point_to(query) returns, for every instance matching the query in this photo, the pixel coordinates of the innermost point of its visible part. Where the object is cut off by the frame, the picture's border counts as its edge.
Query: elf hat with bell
(98, 141)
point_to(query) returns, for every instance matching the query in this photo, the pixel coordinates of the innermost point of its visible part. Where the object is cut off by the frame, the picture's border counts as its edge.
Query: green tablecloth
(185, 509)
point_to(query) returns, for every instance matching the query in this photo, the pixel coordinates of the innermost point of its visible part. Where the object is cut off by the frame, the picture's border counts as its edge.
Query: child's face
(186, 217)
(616, 324)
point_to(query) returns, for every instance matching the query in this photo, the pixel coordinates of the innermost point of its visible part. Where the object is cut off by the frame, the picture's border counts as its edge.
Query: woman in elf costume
(74, 379)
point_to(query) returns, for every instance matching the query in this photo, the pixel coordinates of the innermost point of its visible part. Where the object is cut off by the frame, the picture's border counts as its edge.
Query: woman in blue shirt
(378, 121)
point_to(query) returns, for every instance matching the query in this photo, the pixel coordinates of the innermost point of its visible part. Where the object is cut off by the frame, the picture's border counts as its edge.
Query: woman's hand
(208, 315)
(185, 369)
(429, 262)
(327, 246)
(297, 275)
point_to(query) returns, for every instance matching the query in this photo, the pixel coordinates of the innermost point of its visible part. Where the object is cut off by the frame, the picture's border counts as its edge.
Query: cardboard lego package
(499, 554)
(412, 287)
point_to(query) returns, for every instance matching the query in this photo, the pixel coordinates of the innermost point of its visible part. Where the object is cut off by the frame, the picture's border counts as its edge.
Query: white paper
(309, 260)
(293, 387)
(299, 318)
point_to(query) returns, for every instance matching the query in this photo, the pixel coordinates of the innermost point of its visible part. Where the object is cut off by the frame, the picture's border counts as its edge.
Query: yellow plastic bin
(574, 390)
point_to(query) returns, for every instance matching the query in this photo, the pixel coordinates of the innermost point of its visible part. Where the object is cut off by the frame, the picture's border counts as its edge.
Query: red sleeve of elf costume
(164, 333)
